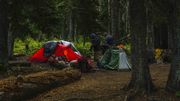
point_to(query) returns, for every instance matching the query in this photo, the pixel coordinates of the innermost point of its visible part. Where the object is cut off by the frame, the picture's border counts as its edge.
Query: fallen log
(21, 88)
(19, 63)
(33, 68)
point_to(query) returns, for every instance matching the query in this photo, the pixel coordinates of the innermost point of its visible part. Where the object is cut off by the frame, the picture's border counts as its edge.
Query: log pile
(21, 87)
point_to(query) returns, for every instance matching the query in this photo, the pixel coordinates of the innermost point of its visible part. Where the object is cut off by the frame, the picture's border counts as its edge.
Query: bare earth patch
(92, 86)
(106, 85)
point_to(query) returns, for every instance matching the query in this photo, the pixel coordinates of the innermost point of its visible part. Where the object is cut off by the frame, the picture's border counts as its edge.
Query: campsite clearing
(106, 85)
(102, 85)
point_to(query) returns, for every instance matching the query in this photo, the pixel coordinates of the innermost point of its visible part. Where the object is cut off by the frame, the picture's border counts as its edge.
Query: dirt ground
(107, 85)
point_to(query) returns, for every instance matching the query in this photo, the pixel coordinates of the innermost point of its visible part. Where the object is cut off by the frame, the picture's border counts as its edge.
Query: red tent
(60, 50)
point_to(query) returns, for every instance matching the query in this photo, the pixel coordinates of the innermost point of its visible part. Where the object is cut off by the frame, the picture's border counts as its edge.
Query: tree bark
(70, 26)
(140, 78)
(173, 83)
(150, 34)
(109, 16)
(115, 19)
(170, 26)
(10, 42)
(170, 37)
(124, 26)
(70, 20)
(3, 34)
(127, 23)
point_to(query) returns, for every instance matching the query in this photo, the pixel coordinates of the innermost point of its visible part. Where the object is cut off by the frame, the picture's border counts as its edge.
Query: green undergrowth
(178, 93)
(20, 46)
(84, 49)
(34, 45)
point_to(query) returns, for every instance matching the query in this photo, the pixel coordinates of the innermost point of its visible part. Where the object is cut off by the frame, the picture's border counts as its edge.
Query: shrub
(158, 53)
(34, 45)
(84, 50)
(19, 46)
(128, 48)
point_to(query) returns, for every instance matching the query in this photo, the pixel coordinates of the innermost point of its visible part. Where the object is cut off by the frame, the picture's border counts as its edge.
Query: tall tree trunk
(74, 30)
(10, 42)
(170, 37)
(100, 4)
(141, 78)
(70, 26)
(70, 20)
(173, 83)
(170, 26)
(150, 34)
(109, 16)
(123, 17)
(3, 34)
(64, 29)
(115, 19)
(127, 22)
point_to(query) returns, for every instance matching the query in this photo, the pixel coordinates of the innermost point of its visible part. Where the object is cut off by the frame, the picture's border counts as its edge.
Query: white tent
(123, 60)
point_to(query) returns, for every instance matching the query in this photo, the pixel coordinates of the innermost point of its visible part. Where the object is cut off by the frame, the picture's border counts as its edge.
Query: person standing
(109, 42)
(95, 46)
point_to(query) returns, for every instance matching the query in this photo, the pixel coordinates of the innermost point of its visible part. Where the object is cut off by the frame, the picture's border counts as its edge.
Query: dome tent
(58, 49)
(115, 59)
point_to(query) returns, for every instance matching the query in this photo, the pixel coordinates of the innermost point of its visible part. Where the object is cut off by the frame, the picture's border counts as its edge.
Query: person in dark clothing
(95, 42)
(95, 45)
(109, 42)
